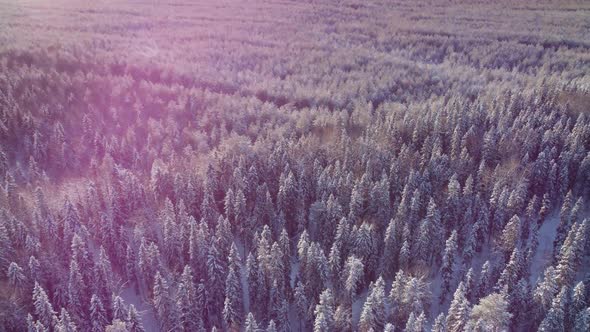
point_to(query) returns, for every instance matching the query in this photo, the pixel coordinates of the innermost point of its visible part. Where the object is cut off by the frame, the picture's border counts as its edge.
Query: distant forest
(269, 165)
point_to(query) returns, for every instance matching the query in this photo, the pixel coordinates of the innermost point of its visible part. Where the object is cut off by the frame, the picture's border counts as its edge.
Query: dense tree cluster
(340, 172)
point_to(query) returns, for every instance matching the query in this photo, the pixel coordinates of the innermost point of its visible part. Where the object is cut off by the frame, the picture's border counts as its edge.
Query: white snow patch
(542, 257)
(144, 309)
(357, 307)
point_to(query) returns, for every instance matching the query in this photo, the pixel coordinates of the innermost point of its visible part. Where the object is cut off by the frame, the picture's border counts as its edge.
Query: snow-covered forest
(286, 165)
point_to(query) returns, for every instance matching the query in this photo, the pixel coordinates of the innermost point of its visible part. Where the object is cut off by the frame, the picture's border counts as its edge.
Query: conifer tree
(186, 301)
(459, 311)
(98, 315)
(448, 263)
(373, 312)
(324, 312)
(233, 307)
(43, 308)
(555, 318)
(163, 305)
(65, 323)
(251, 325)
(16, 277)
(133, 321)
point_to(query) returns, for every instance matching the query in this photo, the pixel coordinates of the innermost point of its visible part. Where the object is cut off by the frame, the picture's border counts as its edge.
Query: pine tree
(252, 278)
(458, 314)
(510, 235)
(76, 291)
(373, 313)
(316, 270)
(546, 289)
(416, 324)
(103, 280)
(430, 232)
(186, 301)
(302, 303)
(354, 276)
(233, 306)
(391, 247)
(578, 298)
(215, 279)
(120, 309)
(272, 327)
(285, 245)
(520, 301)
(16, 277)
(365, 247)
(98, 315)
(555, 318)
(43, 308)
(469, 281)
(564, 222)
(163, 303)
(582, 322)
(251, 325)
(439, 324)
(512, 272)
(448, 263)
(133, 321)
(324, 313)
(405, 255)
(343, 318)
(65, 323)
(130, 268)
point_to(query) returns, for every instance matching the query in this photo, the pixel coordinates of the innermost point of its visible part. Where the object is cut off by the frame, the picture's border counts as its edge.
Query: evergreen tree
(512, 271)
(65, 323)
(430, 232)
(16, 277)
(555, 318)
(448, 263)
(510, 235)
(439, 324)
(120, 309)
(546, 290)
(416, 324)
(272, 327)
(391, 247)
(163, 303)
(98, 315)
(354, 276)
(133, 322)
(564, 222)
(343, 318)
(186, 302)
(215, 279)
(582, 322)
(76, 292)
(252, 278)
(302, 303)
(373, 312)
(43, 308)
(251, 325)
(233, 307)
(324, 313)
(458, 314)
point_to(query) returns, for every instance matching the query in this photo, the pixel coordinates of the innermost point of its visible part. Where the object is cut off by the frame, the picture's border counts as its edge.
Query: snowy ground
(144, 309)
(542, 257)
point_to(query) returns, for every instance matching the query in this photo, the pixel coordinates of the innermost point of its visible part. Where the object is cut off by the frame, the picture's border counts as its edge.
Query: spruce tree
(43, 308)
(98, 315)
(459, 311)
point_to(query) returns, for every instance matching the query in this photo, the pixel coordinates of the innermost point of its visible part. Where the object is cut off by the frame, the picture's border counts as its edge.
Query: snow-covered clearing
(144, 309)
